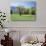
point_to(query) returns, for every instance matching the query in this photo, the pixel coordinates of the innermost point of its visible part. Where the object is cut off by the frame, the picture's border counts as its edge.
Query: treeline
(22, 10)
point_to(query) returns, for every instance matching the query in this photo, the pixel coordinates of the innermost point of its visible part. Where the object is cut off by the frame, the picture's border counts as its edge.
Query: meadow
(23, 17)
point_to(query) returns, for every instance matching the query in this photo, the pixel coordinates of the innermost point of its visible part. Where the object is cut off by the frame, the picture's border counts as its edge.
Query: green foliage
(33, 11)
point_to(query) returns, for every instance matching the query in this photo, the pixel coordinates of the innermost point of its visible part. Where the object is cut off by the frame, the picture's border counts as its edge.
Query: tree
(11, 12)
(33, 12)
(20, 11)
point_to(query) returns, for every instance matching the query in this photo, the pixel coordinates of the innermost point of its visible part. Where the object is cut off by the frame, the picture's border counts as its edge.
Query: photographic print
(23, 11)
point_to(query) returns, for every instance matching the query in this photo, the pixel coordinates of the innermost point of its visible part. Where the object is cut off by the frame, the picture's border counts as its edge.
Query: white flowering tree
(2, 19)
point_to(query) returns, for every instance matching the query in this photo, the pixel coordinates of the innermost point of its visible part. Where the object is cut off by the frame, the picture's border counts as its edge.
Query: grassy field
(17, 17)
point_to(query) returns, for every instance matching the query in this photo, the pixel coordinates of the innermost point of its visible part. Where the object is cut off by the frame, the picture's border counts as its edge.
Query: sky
(25, 4)
(21, 0)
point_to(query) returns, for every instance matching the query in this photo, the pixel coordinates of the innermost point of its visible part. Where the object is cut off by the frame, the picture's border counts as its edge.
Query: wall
(41, 15)
(38, 25)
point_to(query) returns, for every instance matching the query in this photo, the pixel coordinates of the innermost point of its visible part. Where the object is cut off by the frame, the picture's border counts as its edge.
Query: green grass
(17, 17)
